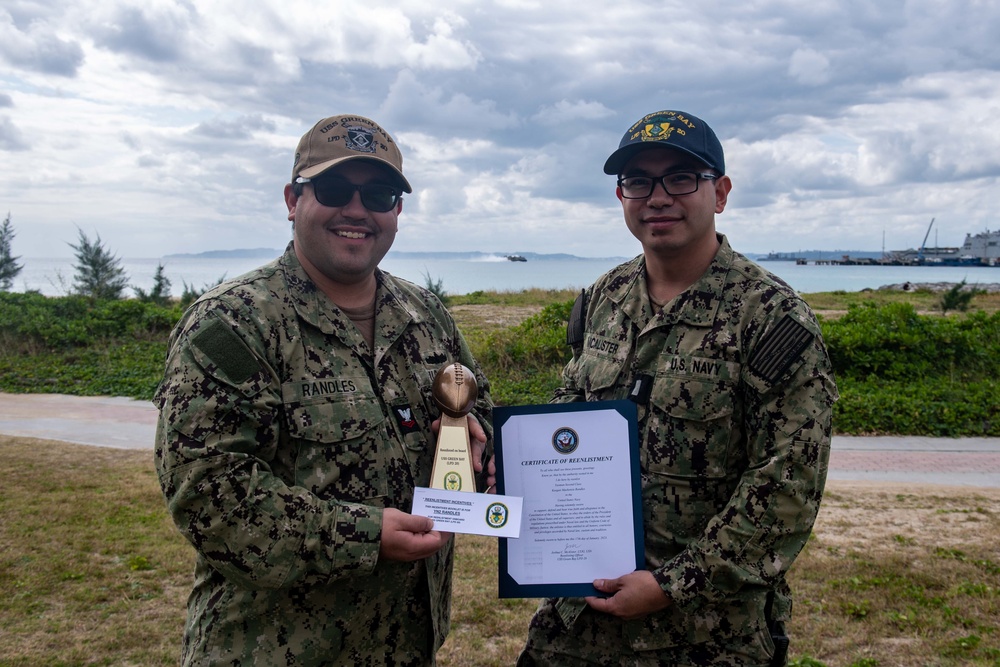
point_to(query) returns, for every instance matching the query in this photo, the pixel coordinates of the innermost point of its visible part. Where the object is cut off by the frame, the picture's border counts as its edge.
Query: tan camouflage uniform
(735, 441)
(279, 444)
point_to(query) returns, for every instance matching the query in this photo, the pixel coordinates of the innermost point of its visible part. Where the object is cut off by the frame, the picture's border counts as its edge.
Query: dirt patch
(858, 516)
(490, 316)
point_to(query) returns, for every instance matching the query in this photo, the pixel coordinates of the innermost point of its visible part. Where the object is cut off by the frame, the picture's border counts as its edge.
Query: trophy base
(453, 469)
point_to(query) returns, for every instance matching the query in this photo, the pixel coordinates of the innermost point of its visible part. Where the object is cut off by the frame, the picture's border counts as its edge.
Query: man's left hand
(633, 596)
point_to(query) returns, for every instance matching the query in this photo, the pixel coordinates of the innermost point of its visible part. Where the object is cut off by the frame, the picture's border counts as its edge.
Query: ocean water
(54, 276)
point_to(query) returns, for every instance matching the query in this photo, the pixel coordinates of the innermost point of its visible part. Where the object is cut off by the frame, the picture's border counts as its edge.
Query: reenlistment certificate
(576, 467)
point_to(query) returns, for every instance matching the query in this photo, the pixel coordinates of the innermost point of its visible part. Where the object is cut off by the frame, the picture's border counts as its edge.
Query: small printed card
(469, 513)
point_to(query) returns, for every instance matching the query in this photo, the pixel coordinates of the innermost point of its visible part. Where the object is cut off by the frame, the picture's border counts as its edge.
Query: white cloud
(809, 67)
(38, 47)
(565, 111)
(11, 138)
(168, 125)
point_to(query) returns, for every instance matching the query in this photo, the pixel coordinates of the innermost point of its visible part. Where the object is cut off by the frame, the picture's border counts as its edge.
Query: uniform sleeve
(789, 394)
(572, 389)
(217, 437)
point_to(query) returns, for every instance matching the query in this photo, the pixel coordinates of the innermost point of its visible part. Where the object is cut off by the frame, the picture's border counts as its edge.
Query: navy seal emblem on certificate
(565, 440)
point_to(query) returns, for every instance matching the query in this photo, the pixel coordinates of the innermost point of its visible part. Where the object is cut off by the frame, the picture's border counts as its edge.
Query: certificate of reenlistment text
(576, 467)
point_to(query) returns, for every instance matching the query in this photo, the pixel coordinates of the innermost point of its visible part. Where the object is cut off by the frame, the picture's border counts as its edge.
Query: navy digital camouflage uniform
(281, 439)
(735, 437)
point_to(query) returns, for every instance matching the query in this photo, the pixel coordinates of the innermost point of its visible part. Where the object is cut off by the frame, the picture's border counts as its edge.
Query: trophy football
(455, 391)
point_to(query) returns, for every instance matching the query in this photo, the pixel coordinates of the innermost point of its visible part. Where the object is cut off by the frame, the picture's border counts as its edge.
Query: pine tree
(99, 274)
(160, 293)
(9, 268)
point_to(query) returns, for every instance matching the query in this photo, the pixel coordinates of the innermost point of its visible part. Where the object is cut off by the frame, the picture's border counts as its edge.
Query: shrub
(898, 372)
(958, 298)
(893, 342)
(524, 362)
(192, 294)
(908, 374)
(35, 321)
(930, 407)
(436, 287)
(537, 342)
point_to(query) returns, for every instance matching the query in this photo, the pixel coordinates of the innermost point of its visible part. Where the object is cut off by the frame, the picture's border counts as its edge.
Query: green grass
(528, 297)
(111, 367)
(91, 568)
(923, 300)
(901, 367)
(895, 578)
(93, 572)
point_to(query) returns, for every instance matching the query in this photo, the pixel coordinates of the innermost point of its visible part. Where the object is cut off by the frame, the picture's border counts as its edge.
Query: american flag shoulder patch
(779, 348)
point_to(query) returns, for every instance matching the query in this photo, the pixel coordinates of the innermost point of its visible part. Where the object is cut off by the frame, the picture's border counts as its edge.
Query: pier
(847, 260)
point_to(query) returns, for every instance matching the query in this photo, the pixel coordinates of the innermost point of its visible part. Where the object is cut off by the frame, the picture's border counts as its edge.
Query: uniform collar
(697, 305)
(313, 306)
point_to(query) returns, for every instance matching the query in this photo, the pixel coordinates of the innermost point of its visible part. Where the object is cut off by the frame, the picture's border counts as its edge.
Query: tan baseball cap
(337, 139)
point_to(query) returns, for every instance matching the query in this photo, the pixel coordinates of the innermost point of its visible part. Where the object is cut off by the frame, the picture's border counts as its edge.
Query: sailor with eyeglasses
(735, 394)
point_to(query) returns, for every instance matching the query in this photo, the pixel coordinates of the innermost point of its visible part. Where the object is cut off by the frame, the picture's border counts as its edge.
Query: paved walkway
(129, 424)
(87, 420)
(915, 459)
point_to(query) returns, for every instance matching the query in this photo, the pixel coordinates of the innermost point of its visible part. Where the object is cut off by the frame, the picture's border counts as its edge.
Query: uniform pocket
(690, 446)
(602, 376)
(689, 426)
(332, 419)
(338, 453)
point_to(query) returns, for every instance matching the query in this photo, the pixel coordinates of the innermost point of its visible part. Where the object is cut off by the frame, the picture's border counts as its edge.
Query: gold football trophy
(455, 391)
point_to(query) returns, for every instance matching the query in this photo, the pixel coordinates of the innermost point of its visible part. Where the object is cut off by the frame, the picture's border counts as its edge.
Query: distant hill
(477, 255)
(270, 253)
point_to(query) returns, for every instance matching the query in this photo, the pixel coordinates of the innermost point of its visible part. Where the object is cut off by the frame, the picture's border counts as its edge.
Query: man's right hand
(406, 537)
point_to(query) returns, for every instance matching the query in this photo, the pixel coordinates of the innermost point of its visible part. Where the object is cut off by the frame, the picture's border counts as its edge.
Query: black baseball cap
(669, 129)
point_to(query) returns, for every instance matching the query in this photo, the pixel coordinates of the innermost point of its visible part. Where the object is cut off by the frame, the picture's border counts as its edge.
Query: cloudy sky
(168, 126)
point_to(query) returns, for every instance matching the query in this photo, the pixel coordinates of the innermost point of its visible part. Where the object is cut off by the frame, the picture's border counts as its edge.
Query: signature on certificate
(571, 551)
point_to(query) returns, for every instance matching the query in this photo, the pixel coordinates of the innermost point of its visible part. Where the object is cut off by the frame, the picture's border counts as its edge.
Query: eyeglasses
(336, 192)
(675, 183)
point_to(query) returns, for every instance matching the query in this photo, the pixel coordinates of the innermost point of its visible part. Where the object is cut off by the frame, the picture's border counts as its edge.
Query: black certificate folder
(576, 466)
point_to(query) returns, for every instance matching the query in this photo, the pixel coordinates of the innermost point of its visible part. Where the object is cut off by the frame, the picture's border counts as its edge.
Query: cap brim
(617, 161)
(398, 178)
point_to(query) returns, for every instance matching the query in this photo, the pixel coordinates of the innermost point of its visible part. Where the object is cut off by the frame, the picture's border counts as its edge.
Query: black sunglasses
(336, 192)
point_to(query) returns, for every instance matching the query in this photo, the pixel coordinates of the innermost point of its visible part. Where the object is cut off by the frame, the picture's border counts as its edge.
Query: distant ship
(982, 249)
(984, 245)
(517, 258)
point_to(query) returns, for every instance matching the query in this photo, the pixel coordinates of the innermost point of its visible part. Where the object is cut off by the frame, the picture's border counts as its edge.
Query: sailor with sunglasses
(295, 421)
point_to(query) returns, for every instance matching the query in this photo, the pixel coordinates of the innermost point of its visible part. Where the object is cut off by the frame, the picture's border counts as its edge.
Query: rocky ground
(991, 288)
